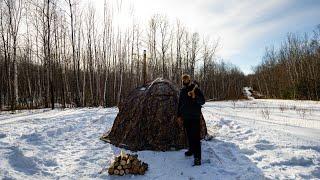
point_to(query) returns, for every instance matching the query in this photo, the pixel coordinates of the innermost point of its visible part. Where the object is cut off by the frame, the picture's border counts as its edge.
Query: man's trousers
(192, 127)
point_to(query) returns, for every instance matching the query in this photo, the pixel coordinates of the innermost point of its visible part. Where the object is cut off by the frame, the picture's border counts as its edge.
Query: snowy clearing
(258, 139)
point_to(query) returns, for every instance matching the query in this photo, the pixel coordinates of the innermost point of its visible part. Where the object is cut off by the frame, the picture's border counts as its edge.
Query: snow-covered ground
(258, 139)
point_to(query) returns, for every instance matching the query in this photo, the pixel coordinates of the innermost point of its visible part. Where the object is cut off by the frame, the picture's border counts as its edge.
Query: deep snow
(258, 139)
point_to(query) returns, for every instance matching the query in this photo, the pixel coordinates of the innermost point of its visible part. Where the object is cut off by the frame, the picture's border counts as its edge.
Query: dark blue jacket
(190, 108)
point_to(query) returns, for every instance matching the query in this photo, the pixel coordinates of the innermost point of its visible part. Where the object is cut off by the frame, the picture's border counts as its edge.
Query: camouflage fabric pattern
(147, 119)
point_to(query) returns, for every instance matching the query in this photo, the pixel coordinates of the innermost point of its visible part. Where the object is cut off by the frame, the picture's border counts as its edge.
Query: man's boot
(197, 162)
(188, 153)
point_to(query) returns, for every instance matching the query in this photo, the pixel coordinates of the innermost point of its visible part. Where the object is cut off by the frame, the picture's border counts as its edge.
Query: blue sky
(244, 27)
(293, 16)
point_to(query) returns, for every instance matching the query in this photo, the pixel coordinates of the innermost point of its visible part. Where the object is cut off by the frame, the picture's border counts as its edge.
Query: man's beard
(186, 84)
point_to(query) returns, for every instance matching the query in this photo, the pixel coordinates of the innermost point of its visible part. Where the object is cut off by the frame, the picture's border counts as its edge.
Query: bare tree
(179, 35)
(76, 61)
(14, 12)
(164, 28)
(195, 47)
(64, 55)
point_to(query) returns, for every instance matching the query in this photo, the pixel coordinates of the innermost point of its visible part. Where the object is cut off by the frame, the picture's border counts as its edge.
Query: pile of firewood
(127, 164)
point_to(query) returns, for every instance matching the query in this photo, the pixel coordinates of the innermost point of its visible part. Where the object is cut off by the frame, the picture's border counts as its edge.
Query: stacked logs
(127, 164)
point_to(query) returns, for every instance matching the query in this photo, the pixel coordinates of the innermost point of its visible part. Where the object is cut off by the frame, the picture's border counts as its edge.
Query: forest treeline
(56, 52)
(291, 71)
(59, 53)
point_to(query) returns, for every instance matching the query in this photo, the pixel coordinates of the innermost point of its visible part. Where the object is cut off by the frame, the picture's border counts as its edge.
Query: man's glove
(192, 94)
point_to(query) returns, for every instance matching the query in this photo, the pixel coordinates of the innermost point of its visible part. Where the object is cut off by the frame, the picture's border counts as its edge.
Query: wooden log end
(121, 172)
(111, 171)
(123, 162)
(116, 172)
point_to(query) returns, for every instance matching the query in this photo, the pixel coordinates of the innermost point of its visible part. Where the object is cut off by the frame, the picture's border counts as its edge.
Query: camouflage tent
(147, 119)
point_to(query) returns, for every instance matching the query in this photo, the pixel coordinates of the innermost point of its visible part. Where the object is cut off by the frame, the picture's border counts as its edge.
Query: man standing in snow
(191, 100)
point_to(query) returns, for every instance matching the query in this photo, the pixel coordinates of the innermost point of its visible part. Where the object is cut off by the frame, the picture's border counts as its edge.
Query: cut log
(145, 165)
(116, 172)
(131, 158)
(110, 171)
(136, 163)
(142, 170)
(135, 169)
(121, 172)
(116, 164)
(129, 164)
(117, 158)
(124, 157)
(123, 162)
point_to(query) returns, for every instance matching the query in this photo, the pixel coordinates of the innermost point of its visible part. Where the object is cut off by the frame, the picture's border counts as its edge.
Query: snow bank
(64, 144)
(284, 145)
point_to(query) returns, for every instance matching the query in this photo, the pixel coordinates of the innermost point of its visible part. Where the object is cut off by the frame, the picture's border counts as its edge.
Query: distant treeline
(54, 52)
(291, 71)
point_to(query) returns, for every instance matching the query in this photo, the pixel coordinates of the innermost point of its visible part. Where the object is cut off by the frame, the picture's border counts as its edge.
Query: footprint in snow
(259, 158)
(247, 151)
(295, 161)
(2, 135)
(264, 145)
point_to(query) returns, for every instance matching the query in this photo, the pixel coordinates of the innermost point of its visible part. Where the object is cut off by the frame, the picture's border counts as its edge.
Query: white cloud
(236, 23)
